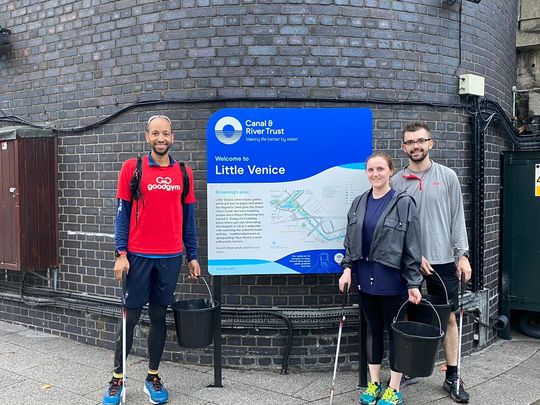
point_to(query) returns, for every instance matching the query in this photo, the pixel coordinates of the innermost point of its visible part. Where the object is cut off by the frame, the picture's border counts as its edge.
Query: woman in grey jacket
(382, 245)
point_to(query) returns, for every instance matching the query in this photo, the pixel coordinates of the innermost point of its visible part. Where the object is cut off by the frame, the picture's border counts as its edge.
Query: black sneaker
(451, 387)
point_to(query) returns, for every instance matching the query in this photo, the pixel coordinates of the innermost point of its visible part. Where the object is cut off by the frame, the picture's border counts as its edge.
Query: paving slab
(235, 393)
(528, 371)
(30, 392)
(319, 388)
(11, 376)
(17, 359)
(39, 341)
(293, 383)
(84, 354)
(72, 377)
(7, 328)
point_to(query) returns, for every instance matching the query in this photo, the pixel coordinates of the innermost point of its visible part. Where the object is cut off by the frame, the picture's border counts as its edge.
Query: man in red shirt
(153, 230)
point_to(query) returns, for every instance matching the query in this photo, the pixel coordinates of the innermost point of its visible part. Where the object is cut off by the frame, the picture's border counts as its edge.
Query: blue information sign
(280, 182)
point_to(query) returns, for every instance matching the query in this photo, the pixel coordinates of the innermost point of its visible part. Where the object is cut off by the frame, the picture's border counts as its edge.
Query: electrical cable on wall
(459, 36)
(490, 112)
(486, 106)
(20, 120)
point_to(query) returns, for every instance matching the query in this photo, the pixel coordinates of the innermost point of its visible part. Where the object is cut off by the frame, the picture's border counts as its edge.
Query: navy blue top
(375, 278)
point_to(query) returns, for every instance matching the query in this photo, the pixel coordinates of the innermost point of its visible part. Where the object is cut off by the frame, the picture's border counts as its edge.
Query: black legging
(379, 311)
(156, 335)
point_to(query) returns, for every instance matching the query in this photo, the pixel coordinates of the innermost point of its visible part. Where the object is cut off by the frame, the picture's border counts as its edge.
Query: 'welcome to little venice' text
(235, 170)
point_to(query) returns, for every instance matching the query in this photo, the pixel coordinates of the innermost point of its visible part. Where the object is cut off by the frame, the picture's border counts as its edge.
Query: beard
(418, 157)
(163, 152)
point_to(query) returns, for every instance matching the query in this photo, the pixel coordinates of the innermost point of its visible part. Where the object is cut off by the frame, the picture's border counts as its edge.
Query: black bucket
(196, 321)
(423, 313)
(415, 346)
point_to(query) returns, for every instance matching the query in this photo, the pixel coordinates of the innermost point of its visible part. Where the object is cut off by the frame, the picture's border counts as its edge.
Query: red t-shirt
(158, 228)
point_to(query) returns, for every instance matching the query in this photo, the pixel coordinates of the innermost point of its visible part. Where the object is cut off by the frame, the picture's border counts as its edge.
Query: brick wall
(84, 59)
(72, 63)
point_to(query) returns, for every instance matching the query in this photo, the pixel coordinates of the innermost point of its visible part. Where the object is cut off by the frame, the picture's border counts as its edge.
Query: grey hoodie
(396, 239)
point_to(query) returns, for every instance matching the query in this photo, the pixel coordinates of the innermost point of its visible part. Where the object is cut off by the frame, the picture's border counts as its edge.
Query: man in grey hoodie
(445, 248)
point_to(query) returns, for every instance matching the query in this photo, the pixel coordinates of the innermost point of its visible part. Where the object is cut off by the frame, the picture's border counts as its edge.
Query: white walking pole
(341, 323)
(461, 288)
(124, 354)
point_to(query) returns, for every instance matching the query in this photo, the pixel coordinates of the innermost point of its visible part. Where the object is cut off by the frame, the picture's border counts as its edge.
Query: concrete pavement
(39, 368)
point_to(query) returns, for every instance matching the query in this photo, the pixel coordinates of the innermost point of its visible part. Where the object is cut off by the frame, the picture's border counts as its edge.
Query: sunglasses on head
(153, 117)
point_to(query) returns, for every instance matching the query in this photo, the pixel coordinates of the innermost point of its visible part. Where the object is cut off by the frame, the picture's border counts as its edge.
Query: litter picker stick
(341, 323)
(124, 354)
(460, 334)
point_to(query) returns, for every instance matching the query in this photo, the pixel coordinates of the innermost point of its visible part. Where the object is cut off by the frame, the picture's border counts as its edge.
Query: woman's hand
(415, 296)
(345, 279)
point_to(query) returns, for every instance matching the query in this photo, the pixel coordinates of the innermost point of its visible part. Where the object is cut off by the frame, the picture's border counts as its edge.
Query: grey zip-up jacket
(437, 193)
(396, 239)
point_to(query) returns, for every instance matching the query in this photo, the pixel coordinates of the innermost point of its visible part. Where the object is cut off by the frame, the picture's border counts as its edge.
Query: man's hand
(345, 279)
(425, 267)
(194, 269)
(464, 267)
(415, 296)
(120, 265)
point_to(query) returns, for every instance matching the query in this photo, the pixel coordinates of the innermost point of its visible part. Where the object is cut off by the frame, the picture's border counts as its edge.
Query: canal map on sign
(301, 216)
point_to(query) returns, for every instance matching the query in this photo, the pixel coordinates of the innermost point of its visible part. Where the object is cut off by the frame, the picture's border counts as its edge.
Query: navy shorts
(151, 280)
(448, 273)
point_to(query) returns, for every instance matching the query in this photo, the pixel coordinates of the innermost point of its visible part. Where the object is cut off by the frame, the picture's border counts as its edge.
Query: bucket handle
(432, 307)
(208, 288)
(444, 286)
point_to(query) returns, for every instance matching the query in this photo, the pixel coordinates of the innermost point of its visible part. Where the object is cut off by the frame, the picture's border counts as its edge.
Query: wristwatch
(465, 254)
(119, 252)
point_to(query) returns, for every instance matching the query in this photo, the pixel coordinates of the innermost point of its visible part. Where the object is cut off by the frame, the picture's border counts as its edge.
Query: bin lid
(14, 132)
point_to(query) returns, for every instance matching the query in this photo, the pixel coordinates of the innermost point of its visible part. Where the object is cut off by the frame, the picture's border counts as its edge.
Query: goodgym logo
(163, 183)
(228, 130)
